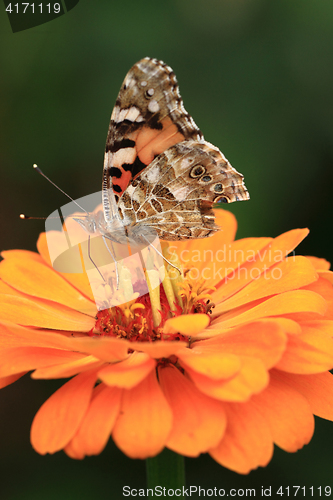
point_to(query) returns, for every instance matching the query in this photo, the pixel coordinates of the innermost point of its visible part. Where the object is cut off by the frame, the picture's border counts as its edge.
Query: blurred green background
(257, 77)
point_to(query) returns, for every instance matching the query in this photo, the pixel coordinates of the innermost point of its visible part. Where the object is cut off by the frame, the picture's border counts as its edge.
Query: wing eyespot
(206, 178)
(197, 171)
(220, 199)
(218, 188)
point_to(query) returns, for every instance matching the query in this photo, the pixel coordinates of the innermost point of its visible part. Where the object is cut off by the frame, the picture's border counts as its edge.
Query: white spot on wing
(153, 106)
(124, 155)
(115, 113)
(132, 114)
(153, 174)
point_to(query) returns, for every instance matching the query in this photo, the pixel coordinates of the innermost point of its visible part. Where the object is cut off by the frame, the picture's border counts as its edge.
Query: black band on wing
(124, 143)
(136, 167)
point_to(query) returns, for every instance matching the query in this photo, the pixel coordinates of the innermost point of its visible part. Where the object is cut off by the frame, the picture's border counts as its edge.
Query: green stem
(166, 470)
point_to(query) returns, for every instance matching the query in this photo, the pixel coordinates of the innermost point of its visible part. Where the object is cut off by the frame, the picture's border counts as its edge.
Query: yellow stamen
(153, 282)
(175, 278)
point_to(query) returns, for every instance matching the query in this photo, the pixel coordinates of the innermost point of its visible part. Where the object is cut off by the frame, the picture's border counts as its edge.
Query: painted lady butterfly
(159, 173)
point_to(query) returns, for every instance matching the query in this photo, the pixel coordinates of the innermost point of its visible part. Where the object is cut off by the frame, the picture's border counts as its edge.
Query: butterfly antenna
(26, 217)
(53, 184)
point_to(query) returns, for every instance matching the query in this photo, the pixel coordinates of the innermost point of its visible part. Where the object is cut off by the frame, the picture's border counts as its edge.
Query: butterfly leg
(91, 259)
(161, 255)
(113, 258)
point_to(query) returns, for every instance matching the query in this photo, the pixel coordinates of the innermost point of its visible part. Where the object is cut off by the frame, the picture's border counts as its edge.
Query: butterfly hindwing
(148, 118)
(175, 194)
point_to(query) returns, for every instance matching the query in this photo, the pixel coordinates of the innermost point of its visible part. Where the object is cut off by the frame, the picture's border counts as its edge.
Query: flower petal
(327, 275)
(215, 365)
(78, 280)
(309, 352)
(320, 264)
(288, 414)
(264, 340)
(317, 389)
(106, 349)
(97, 424)
(60, 416)
(286, 303)
(270, 255)
(144, 421)
(187, 324)
(10, 379)
(68, 369)
(30, 277)
(43, 314)
(198, 421)
(22, 255)
(128, 373)
(251, 379)
(23, 359)
(247, 443)
(325, 289)
(214, 262)
(290, 274)
(159, 348)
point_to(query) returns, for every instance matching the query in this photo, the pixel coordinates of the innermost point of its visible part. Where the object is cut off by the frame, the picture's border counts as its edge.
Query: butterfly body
(160, 175)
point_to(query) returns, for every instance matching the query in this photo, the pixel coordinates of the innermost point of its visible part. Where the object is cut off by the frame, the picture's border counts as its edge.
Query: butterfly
(159, 174)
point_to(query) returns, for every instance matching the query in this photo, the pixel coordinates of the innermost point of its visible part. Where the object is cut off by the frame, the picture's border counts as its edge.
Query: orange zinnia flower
(230, 380)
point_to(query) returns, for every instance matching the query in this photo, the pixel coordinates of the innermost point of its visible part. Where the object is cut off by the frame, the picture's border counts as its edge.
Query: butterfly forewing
(148, 118)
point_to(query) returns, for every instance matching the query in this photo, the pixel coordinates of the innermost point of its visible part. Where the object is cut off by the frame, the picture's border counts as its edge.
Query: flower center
(142, 319)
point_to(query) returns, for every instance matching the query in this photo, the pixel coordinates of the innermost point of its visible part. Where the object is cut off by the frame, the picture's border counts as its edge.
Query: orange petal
(324, 325)
(144, 421)
(288, 414)
(106, 349)
(270, 255)
(317, 389)
(327, 275)
(78, 280)
(286, 324)
(187, 324)
(158, 349)
(320, 264)
(264, 340)
(39, 280)
(9, 380)
(286, 303)
(290, 274)
(214, 365)
(128, 373)
(23, 359)
(309, 352)
(68, 369)
(198, 421)
(97, 424)
(214, 263)
(21, 255)
(251, 379)
(59, 418)
(43, 314)
(247, 443)
(325, 289)
(13, 335)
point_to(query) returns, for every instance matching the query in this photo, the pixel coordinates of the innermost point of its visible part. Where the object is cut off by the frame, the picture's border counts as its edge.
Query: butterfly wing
(148, 117)
(175, 194)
